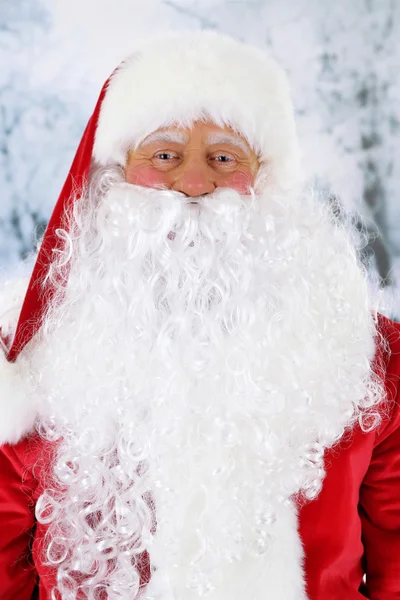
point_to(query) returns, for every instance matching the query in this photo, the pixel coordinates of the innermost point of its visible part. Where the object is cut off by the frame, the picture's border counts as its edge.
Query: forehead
(209, 133)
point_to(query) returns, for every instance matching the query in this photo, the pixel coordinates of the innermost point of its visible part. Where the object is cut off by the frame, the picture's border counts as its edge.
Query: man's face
(194, 161)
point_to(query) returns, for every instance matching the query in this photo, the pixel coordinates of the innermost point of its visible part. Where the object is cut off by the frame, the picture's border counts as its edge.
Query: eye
(222, 159)
(164, 156)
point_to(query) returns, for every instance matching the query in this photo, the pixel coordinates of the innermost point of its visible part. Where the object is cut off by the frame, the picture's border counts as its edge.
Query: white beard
(197, 364)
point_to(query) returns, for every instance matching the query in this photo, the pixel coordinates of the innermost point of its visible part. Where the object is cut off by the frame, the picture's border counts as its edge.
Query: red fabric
(352, 528)
(37, 295)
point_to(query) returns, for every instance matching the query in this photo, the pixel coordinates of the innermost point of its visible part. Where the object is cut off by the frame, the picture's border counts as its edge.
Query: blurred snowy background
(343, 59)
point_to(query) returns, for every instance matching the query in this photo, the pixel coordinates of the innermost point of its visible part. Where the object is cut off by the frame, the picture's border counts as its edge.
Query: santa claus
(198, 397)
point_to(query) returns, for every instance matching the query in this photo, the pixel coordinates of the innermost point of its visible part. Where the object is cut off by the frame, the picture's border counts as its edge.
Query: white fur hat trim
(180, 78)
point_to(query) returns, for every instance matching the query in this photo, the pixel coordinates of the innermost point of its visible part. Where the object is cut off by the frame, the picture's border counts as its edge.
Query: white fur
(182, 77)
(12, 293)
(277, 574)
(17, 411)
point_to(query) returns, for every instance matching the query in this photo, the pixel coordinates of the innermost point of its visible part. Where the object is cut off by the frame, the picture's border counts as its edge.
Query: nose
(193, 181)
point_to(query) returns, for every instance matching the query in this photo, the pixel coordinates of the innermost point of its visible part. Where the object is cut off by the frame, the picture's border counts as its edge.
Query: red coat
(351, 529)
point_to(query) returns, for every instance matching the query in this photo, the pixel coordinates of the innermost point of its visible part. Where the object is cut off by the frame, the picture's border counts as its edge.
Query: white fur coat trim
(277, 575)
(181, 77)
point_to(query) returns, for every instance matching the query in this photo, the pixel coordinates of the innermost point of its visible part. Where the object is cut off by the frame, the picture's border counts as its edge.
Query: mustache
(109, 200)
(129, 210)
(162, 193)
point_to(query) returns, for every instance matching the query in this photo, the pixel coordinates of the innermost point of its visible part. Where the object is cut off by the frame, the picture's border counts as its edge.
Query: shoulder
(25, 460)
(390, 331)
(389, 352)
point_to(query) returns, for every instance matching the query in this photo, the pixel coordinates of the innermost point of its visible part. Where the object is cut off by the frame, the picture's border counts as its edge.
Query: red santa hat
(175, 79)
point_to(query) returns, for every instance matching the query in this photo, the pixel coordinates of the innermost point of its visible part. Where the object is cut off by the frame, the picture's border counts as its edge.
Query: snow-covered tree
(37, 127)
(358, 55)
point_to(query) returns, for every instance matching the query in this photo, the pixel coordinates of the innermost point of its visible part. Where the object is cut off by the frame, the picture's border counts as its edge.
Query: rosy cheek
(145, 175)
(240, 181)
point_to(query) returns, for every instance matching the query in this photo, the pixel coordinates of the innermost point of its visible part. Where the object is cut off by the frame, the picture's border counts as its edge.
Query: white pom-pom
(17, 414)
(17, 411)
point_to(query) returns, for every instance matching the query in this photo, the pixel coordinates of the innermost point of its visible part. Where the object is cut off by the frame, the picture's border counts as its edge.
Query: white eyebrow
(176, 137)
(227, 138)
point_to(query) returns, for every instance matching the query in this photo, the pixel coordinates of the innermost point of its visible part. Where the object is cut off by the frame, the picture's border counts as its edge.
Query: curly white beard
(193, 369)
